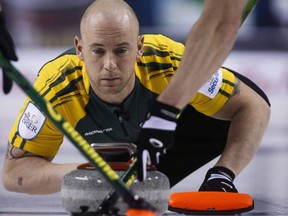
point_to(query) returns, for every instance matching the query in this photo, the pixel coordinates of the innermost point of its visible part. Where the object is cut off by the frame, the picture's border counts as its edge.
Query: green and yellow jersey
(64, 82)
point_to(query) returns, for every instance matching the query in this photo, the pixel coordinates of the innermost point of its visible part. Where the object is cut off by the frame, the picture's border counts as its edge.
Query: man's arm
(207, 46)
(24, 172)
(249, 114)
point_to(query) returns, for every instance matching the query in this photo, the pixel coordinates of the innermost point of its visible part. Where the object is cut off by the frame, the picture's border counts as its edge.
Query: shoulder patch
(211, 88)
(31, 122)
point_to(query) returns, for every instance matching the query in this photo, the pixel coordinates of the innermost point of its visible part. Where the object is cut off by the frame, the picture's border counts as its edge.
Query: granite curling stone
(84, 189)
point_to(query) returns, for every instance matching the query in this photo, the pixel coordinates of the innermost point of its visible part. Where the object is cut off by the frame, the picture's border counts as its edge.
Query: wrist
(165, 111)
(159, 123)
(221, 171)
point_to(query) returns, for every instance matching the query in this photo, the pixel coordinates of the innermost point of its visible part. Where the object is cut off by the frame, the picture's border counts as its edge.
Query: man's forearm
(207, 46)
(34, 175)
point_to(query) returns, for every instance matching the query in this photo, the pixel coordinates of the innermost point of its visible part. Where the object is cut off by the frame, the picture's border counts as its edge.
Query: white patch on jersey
(31, 122)
(211, 88)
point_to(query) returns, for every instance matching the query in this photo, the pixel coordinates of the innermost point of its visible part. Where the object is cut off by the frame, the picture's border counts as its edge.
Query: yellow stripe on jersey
(64, 83)
(160, 59)
(66, 86)
(210, 106)
(159, 62)
(40, 145)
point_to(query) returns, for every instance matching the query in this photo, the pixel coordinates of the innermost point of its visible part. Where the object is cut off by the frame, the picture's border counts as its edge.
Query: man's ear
(78, 47)
(140, 43)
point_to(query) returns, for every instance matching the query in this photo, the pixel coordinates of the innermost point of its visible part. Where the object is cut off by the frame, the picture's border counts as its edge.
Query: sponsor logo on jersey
(211, 88)
(31, 122)
(106, 130)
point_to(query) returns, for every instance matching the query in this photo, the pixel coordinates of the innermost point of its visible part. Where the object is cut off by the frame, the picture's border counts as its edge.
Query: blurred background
(42, 29)
(54, 23)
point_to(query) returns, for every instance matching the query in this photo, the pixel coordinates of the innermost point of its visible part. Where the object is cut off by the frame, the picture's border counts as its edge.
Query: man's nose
(110, 62)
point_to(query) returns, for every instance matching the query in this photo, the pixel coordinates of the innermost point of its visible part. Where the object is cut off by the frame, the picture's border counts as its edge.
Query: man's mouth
(110, 81)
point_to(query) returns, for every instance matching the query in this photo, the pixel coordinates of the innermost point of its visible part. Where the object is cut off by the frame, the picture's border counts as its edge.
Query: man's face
(109, 50)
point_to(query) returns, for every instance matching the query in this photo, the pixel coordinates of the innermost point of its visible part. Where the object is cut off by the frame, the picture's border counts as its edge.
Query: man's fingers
(146, 159)
(7, 46)
(7, 83)
(142, 160)
(157, 158)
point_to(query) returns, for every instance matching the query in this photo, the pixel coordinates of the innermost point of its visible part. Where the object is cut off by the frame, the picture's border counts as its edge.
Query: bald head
(112, 11)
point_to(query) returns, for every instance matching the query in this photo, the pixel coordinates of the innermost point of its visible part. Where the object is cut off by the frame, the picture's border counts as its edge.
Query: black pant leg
(199, 139)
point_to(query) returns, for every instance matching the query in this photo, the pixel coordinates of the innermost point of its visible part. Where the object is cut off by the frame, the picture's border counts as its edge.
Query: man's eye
(120, 51)
(99, 51)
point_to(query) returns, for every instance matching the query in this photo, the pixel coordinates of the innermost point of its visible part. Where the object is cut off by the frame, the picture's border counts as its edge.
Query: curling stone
(84, 189)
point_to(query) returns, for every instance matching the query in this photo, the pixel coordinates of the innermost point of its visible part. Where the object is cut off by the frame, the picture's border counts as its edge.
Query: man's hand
(156, 136)
(219, 179)
(8, 50)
